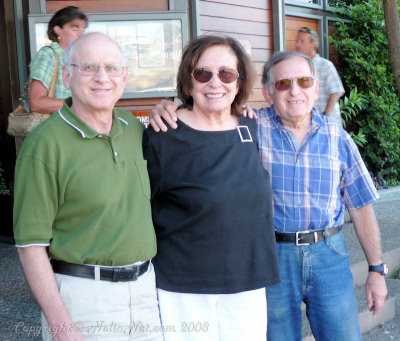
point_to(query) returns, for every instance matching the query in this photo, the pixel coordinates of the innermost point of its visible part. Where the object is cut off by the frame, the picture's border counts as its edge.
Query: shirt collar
(83, 129)
(56, 47)
(316, 119)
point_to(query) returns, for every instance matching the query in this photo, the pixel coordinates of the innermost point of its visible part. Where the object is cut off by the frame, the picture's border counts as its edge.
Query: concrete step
(360, 270)
(386, 209)
(390, 310)
(385, 331)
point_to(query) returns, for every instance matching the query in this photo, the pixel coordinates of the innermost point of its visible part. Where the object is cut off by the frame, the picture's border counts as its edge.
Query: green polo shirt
(85, 194)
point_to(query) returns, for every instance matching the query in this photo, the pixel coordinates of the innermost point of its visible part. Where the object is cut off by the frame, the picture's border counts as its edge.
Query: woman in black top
(211, 203)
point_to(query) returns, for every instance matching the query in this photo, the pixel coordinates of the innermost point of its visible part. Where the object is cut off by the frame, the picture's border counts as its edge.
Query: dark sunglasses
(226, 75)
(303, 82)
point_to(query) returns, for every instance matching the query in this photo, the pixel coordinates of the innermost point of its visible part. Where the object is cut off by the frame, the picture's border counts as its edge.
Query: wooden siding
(250, 21)
(293, 24)
(88, 6)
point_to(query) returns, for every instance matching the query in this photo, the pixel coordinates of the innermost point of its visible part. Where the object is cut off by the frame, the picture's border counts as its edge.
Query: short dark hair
(191, 55)
(62, 17)
(278, 57)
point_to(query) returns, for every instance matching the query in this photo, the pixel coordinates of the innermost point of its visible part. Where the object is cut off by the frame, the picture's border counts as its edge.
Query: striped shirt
(42, 68)
(329, 83)
(314, 182)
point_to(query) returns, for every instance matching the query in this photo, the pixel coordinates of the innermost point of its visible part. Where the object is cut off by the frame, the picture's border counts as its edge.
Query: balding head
(95, 72)
(93, 37)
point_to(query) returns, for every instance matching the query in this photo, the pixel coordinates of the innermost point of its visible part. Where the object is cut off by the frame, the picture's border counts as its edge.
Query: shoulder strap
(55, 74)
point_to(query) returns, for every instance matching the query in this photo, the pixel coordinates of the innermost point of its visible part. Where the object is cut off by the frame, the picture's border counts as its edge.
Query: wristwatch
(382, 269)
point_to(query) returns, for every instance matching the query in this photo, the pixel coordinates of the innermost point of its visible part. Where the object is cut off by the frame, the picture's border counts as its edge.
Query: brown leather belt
(303, 238)
(113, 274)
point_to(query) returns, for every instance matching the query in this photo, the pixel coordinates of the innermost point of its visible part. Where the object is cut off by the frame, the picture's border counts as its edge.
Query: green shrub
(364, 64)
(349, 108)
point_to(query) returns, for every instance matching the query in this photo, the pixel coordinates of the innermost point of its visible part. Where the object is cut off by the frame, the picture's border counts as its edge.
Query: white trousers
(206, 317)
(116, 311)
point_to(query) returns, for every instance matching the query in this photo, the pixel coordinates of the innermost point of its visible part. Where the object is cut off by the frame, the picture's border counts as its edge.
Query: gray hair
(312, 33)
(277, 57)
(69, 52)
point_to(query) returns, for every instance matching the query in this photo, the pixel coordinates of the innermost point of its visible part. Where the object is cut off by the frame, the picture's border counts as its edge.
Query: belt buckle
(136, 275)
(298, 233)
(125, 274)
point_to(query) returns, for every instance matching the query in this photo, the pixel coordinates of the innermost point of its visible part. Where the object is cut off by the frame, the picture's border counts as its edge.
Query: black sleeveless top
(212, 210)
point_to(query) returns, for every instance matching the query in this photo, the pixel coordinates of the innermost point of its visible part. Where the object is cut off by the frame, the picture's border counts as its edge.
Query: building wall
(88, 6)
(250, 22)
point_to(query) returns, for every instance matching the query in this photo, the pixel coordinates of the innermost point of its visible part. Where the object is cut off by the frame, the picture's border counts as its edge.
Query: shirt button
(298, 180)
(115, 154)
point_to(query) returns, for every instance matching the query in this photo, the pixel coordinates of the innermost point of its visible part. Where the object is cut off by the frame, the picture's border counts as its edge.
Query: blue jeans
(319, 275)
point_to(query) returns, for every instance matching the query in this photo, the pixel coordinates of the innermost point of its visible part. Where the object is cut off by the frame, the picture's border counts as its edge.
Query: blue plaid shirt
(314, 182)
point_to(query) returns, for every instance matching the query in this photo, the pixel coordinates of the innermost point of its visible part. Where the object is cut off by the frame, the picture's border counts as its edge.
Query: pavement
(20, 315)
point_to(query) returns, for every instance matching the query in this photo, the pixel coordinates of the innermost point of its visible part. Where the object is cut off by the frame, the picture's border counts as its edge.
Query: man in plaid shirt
(316, 172)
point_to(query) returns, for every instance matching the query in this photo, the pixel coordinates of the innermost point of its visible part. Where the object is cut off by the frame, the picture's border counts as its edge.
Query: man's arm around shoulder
(40, 277)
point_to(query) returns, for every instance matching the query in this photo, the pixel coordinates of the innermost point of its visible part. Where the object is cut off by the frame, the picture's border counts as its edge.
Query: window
(151, 43)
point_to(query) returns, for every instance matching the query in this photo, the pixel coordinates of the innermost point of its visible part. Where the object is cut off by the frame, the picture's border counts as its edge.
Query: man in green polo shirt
(82, 191)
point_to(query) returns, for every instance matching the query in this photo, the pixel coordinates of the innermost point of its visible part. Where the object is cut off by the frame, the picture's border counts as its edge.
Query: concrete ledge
(388, 312)
(360, 270)
(389, 194)
(367, 320)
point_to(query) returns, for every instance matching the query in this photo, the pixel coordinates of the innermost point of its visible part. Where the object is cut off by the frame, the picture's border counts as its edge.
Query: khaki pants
(208, 317)
(104, 310)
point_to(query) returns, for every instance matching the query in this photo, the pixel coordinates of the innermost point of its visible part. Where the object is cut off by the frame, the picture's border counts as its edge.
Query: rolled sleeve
(358, 187)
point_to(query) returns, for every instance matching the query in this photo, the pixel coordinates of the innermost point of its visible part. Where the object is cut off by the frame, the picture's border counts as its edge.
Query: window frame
(34, 19)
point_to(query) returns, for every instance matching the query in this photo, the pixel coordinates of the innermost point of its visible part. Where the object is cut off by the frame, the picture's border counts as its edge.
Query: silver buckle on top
(246, 128)
(305, 232)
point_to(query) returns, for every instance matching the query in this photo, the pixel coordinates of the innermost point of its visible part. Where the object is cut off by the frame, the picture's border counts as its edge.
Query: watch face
(385, 269)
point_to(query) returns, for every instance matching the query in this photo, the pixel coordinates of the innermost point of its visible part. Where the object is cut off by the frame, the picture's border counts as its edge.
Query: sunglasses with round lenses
(303, 82)
(226, 75)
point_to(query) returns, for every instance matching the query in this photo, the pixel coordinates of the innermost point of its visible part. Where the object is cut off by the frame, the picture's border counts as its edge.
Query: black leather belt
(113, 274)
(303, 238)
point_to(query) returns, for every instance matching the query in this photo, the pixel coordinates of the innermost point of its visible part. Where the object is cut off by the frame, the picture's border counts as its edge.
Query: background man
(82, 189)
(330, 85)
(316, 172)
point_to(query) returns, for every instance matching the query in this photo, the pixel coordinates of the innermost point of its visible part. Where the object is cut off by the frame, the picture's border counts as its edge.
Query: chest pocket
(141, 167)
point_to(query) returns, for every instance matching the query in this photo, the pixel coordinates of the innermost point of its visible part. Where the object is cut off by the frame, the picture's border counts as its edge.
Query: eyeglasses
(303, 82)
(226, 75)
(90, 69)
